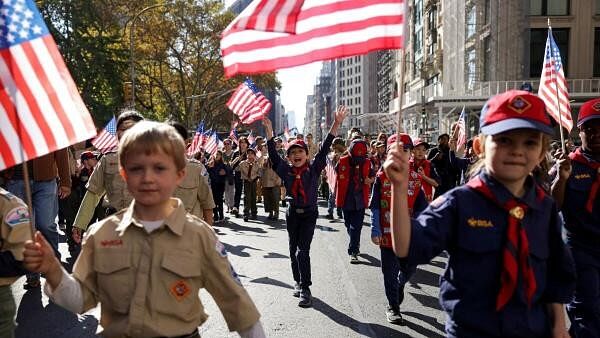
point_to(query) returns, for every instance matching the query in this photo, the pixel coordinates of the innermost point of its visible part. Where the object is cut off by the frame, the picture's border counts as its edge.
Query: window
(487, 59)
(549, 7)
(597, 51)
(471, 24)
(470, 67)
(418, 41)
(537, 46)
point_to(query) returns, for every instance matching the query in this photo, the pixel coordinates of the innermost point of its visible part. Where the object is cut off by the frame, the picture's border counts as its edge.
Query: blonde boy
(146, 264)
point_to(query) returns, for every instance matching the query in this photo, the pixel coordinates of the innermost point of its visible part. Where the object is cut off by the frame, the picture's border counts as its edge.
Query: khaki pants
(7, 312)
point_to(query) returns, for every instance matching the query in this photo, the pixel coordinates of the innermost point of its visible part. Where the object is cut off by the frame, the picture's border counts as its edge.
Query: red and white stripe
(105, 142)
(269, 15)
(40, 107)
(212, 144)
(197, 142)
(325, 29)
(249, 106)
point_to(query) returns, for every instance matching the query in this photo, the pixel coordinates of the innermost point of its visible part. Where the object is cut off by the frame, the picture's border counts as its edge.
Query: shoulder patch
(221, 249)
(16, 216)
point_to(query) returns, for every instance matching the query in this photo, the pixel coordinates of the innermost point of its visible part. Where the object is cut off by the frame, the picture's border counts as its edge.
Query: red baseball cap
(298, 143)
(418, 141)
(514, 109)
(590, 110)
(404, 138)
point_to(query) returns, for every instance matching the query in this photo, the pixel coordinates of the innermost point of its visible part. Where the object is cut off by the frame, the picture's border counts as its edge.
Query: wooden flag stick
(553, 75)
(28, 198)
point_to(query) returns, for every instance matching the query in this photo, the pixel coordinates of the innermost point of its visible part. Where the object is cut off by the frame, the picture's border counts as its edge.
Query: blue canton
(20, 21)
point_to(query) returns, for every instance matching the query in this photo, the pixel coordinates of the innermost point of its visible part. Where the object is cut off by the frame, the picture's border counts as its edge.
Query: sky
(296, 83)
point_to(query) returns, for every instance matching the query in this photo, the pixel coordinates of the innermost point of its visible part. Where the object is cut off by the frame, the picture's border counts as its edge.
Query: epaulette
(6, 194)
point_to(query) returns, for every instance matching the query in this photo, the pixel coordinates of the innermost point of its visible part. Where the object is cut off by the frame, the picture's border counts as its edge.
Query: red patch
(111, 242)
(519, 104)
(180, 289)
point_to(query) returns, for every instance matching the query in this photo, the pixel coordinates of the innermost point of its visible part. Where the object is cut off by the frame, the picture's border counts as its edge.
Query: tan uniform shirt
(148, 284)
(15, 228)
(269, 177)
(194, 190)
(244, 166)
(107, 179)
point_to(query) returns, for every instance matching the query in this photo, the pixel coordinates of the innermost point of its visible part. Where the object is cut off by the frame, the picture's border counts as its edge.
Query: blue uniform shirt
(473, 231)
(310, 178)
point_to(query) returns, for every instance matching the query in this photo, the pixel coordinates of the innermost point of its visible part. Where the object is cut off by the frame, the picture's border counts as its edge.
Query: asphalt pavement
(349, 300)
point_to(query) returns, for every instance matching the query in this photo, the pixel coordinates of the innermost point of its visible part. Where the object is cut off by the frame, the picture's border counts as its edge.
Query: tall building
(310, 118)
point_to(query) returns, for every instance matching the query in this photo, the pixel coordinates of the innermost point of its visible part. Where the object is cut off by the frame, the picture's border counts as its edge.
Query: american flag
(553, 85)
(249, 103)
(324, 30)
(461, 130)
(286, 136)
(270, 15)
(197, 141)
(330, 173)
(212, 143)
(107, 139)
(40, 107)
(251, 139)
(233, 135)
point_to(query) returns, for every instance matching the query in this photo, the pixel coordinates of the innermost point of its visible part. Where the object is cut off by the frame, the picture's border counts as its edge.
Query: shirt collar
(175, 221)
(503, 195)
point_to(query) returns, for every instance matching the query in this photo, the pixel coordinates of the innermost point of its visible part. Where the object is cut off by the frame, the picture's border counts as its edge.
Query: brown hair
(151, 137)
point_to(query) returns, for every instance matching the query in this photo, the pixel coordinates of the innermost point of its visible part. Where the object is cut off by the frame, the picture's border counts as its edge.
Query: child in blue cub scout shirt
(509, 271)
(575, 189)
(301, 179)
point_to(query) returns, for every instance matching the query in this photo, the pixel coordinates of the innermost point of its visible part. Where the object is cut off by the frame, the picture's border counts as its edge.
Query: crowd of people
(516, 212)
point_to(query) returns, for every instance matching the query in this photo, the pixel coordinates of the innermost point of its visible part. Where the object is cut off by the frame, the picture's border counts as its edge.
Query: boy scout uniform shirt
(148, 283)
(106, 179)
(269, 177)
(194, 190)
(15, 228)
(243, 168)
(473, 231)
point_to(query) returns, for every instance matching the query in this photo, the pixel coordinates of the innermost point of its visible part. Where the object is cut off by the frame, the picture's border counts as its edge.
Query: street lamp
(131, 49)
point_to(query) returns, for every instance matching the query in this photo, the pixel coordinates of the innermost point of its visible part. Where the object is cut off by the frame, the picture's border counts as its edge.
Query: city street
(349, 300)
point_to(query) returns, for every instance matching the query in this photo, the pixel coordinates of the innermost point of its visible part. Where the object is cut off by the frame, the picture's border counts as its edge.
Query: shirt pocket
(187, 191)
(181, 280)
(115, 279)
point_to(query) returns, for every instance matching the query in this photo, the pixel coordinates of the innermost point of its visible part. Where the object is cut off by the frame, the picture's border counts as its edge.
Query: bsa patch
(180, 289)
(519, 104)
(384, 204)
(342, 168)
(221, 249)
(16, 216)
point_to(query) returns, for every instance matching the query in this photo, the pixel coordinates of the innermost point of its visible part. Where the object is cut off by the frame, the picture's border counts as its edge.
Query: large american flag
(249, 103)
(197, 141)
(270, 15)
(107, 139)
(461, 130)
(40, 107)
(324, 29)
(553, 85)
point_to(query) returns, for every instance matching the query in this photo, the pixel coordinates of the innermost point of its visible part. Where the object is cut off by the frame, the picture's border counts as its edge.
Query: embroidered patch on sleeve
(234, 274)
(180, 289)
(16, 216)
(221, 249)
(438, 202)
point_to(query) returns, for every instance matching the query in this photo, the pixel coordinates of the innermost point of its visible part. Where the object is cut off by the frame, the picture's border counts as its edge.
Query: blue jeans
(331, 203)
(395, 275)
(44, 197)
(353, 219)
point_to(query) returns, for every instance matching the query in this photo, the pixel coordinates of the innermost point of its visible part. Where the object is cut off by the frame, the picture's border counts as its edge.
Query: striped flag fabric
(324, 30)
(41, 110)
(251, 139)
(553, 88)
(197, 141)
(249, 103)
(107, 140)
(270, 15)
(212, 143)
(330, 173)
(233, 135)
(461, 130)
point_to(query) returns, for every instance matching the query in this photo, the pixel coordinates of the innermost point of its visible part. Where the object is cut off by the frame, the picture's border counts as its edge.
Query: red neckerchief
(297, 186)
(516, 250)
(578, 156)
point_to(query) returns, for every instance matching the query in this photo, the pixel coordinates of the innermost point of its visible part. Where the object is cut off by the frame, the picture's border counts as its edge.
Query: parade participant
(378, 155)
(338, 150)
(463, 164)
(312, 147)
(301, 179)
(229, 193)
(395, 273)
(260, 152)
(509, 271)
(270, 186)
(440, 158)
(420, 164)
(249, 168)
(105, 179)
(575, 191)
(194, 191)
(238, 156)
(149, 260)
(354, 178)
(15, 229)
(219, 173)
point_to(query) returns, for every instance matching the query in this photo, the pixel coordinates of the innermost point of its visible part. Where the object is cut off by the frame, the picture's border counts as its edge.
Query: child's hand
(39, 256)
(76, 235)
(341, 114)
(268, 127)
(396, 165)
(564, 164)
(376, 240)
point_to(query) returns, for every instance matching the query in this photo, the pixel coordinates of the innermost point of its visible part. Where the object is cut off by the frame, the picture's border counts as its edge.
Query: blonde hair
(480, 164)
(150, 137)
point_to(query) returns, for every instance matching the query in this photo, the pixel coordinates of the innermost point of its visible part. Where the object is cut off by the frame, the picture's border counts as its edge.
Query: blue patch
(16, 216)
(221, 249)
(234, 275)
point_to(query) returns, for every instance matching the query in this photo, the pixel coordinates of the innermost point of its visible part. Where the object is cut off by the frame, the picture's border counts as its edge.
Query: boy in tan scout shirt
(15, 229)
(249, 169)
(146, 264)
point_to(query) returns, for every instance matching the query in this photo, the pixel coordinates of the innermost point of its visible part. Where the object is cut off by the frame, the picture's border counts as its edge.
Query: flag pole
(401, 75)
(28, 199)
(553, 74)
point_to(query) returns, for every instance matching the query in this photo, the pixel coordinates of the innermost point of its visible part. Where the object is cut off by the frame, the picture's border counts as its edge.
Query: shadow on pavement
(52, 321)
(274, 255)
(371, 261)
(238, 250)
(365, 329)
(326, 228)
(271, 281)
(426, 300)
(242, 228)
(427, 319)
(424, 277)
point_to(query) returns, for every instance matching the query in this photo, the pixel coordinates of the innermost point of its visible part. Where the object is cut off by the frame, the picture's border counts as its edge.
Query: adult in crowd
(440, 158)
